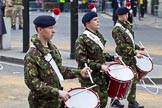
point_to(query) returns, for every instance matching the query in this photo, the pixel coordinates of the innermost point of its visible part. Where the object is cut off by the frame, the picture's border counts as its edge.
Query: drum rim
(121, 81)
(143, 70)
(98, 103)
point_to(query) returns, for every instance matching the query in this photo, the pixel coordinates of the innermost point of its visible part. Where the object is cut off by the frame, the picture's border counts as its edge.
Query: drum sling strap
(94, 38)
(127, 32)
(49, 59)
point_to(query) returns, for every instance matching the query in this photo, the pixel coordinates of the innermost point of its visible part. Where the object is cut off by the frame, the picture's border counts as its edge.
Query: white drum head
(121, 72)
(86, 99)
(144, 64)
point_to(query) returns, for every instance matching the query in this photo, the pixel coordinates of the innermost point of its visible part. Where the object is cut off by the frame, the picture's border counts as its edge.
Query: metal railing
(45, 6)
(48, 5)
(35, 6)
(108, 6)
(155, 10)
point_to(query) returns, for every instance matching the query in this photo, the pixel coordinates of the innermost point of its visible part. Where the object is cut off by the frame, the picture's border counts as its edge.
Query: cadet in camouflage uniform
(17, 10)
(90, 52)
(126, 48)
(40, 77)
(9, 10)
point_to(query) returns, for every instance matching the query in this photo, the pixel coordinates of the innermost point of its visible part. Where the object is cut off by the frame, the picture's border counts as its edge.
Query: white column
(160, 9)
(7, 37)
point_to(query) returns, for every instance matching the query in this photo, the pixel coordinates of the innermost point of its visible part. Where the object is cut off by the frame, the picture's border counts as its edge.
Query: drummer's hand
(139, 55)
(142, 49)
(64, 95)
(104, 68)
(84, 72)
(117, 59)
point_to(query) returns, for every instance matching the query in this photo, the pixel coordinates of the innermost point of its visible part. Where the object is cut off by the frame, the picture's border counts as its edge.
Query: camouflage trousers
(17, 10)
(9, 13)
(103, 96)
(132, 94)
(39, 102)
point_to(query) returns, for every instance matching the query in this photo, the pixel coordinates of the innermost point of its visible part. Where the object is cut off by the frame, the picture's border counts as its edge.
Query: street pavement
(15, 55)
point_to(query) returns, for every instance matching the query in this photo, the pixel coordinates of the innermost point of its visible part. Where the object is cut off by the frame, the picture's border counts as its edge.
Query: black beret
(44, 21)
(122, 11)
(88, 16)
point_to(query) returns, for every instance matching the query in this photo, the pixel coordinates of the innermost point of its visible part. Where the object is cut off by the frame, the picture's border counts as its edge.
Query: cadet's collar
(123, 23)
(92, 32)
(39, 46)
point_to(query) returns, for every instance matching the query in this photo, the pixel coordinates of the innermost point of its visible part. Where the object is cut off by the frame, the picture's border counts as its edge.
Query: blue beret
(44, 21)
(88, 16)
(122, 11)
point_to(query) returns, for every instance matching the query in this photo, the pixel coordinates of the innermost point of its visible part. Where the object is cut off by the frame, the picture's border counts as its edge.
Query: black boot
(116, 103)
(20, 27)
(135, 105)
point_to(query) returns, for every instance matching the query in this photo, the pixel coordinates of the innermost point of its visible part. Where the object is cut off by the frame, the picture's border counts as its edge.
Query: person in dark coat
(115, 5)
(2, 24)
(134, 7)
(130, 13)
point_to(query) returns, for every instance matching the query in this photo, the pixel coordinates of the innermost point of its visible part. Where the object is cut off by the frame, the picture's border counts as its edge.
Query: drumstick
(121, 60)
(89, 74)
(83, 90)
(145, 49)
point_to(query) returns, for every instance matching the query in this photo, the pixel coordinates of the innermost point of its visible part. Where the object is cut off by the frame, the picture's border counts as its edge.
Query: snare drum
(120, 78)
(144, 65)
(86, 99)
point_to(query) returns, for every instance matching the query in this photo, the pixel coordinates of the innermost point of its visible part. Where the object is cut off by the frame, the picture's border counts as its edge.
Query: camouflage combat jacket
(17, 2)
(124, 45)
(87, 51)
(39, 75)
